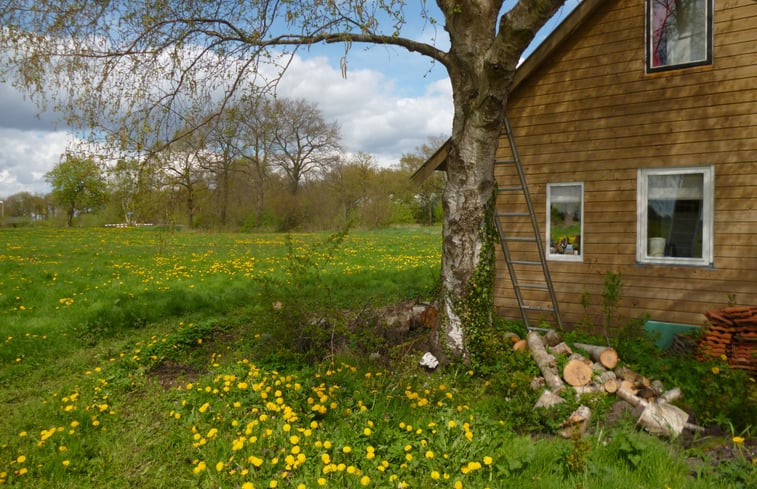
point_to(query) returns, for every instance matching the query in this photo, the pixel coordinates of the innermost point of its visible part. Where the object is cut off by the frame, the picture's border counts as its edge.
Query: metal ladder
(525, 259)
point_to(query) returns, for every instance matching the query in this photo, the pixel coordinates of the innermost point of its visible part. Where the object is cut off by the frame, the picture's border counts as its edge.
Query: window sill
(566, 258)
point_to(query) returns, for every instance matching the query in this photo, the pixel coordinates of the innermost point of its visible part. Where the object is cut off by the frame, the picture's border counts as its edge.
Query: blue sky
(390, 103)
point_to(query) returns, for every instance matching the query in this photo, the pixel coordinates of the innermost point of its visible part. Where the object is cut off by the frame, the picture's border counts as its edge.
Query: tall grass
(69, 285)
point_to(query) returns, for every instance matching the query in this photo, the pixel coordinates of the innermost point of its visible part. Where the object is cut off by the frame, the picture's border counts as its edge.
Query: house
(636, 126)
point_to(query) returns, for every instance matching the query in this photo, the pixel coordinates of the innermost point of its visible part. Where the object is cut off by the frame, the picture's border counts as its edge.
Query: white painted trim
(556, 256)
(708, 201)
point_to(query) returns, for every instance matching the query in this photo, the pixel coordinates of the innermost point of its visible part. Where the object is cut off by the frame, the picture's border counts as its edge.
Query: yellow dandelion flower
(738, 440)
(435, 475)
(488, 460)
(365, 480)
(715, 370)
(248, 485)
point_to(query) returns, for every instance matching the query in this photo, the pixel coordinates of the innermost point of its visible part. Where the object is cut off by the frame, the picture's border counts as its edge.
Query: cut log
(606, 376)
(575, 425)
(603, 354)
(561, 349)
(520, 345)
(545, 361)
(657, 387)
(608, 381)
(581, 358)
(598, 368)
(590, 388)
(657, 418)
(671, 395)
(552, 338)
(548, 399)
(611, 386)
(627, 385)
(626, 373)
(577, 373)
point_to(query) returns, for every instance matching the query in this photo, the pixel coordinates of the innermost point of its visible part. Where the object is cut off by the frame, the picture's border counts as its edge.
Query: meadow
(146, 358)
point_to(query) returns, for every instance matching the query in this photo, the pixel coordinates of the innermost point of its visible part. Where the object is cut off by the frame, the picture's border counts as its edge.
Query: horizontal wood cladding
(591, 114)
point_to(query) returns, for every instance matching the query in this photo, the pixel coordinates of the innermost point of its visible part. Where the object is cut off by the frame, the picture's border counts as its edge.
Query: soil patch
(170, 374)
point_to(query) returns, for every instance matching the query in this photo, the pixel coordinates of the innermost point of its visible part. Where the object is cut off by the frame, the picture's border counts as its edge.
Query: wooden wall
(591, 114)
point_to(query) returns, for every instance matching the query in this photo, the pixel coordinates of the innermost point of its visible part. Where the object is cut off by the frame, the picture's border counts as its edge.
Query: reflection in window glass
(565, 220)
(678, 33)
(675, 206)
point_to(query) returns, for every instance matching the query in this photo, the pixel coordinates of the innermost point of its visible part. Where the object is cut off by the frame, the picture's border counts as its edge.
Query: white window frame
(708, 192)
(559, 256)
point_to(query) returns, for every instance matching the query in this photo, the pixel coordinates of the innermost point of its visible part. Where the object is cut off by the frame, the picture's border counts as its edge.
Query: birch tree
(138, 61)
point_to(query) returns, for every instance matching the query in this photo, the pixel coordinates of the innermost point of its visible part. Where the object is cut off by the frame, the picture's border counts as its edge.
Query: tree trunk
(469, 190)
(484, 52)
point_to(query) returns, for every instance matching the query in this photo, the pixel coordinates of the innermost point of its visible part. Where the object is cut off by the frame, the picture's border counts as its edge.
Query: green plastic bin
(665, 332)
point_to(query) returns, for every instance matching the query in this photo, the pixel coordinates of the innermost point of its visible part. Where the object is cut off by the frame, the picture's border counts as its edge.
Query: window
(675, 216)
(565, 216)
(679, 33)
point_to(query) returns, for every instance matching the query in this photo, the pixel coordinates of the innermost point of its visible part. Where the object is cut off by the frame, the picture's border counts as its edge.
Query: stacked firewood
(731, 333)
(600, 373)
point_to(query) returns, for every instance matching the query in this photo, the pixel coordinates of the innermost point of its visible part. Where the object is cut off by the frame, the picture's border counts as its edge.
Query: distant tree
(133, 187)
(78, 185)
(350, 183)
(181, 164)
(303, 143)
(424, 198)
(25, 204)
(254, 145)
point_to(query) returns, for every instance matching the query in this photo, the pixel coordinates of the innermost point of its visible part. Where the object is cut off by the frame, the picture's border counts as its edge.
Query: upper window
(675, 216)
(565, 217)
(679, 33)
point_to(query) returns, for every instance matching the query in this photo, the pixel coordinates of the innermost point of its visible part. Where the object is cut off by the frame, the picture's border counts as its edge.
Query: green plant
(613, 287)
(577, 459)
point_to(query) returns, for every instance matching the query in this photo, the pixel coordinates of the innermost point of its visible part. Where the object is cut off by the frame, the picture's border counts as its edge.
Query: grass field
(142, 358)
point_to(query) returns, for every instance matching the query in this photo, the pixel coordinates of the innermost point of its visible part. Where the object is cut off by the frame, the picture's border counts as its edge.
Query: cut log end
(577, 373)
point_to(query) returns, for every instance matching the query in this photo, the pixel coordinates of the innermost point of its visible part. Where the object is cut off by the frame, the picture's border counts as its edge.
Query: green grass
(158, 374)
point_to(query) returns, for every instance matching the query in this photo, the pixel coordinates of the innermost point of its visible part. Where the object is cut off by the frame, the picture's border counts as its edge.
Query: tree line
(263, 164)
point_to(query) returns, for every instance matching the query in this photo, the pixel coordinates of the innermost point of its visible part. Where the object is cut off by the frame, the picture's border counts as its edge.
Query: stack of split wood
(599, 374)
(732, 333)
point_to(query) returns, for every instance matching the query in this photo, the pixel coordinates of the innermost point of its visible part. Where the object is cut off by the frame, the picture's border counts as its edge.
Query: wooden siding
(591, 114)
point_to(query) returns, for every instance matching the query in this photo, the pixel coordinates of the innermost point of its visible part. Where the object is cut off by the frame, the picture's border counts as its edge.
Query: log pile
(601, 376)
(731, 333)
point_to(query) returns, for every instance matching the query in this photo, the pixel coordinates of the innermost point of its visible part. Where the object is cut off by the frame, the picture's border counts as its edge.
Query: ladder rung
(538, 308)
(504, 162)
(532, 286)
(525, 262)
(514, 188)
(532, 240)
(513, 214)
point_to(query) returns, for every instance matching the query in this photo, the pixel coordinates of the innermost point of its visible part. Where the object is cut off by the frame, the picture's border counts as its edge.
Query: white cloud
(379, 114)
(25, 157)
(373, 116)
